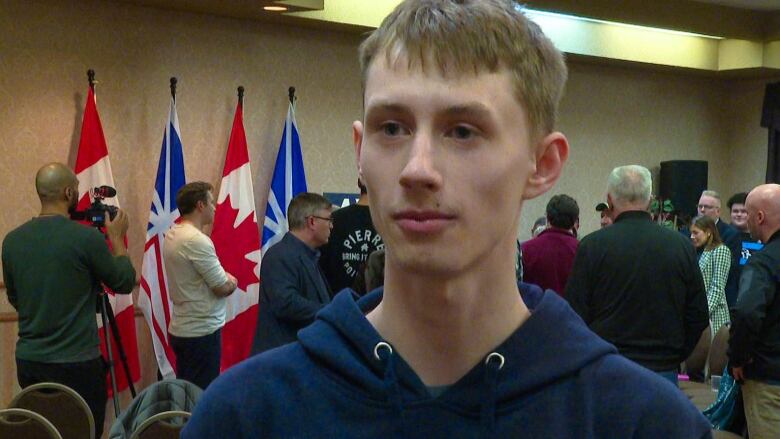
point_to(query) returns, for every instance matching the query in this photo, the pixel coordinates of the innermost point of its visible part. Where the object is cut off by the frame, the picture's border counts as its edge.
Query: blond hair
(473, 36)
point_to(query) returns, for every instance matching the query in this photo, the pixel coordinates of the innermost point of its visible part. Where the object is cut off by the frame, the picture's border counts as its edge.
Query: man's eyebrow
(474, 109)
(387, 106)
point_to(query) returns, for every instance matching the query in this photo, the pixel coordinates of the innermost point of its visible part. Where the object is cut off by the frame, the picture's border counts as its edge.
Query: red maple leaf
(234, 244)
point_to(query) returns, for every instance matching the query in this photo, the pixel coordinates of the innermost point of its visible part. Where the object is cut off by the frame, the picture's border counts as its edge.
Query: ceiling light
(275, 8)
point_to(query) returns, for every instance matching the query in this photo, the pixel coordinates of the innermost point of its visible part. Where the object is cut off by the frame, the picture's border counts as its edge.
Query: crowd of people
(589, 344)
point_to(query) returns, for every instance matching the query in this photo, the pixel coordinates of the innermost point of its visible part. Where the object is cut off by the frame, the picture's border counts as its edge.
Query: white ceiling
(766, 5)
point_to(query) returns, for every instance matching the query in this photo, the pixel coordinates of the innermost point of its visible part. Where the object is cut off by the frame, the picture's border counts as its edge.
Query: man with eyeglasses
(709, 205)
(292, 286)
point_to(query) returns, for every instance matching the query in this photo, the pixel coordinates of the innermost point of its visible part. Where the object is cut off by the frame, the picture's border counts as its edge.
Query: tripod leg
(119, 347)
(103, 305)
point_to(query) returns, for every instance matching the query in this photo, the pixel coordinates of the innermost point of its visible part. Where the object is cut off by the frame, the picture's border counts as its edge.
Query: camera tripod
(109, 321)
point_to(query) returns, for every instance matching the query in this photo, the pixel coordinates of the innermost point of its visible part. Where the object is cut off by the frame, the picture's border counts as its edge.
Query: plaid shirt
(714, 265)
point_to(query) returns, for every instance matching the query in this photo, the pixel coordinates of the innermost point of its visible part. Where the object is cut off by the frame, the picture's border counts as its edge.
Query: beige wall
(612, 115)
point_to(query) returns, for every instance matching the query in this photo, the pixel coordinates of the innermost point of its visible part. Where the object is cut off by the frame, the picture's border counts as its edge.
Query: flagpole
(91, 79)
(173, 87)
(241, 95)
(107, 316)
(291, 92)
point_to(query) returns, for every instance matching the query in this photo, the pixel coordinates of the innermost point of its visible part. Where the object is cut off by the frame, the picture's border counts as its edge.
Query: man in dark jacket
(547, 258)
(754, 347)
(637, 284)
(292, 287)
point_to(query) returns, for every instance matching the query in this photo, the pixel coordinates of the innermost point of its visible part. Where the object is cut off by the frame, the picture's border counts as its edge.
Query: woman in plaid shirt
(714, 263)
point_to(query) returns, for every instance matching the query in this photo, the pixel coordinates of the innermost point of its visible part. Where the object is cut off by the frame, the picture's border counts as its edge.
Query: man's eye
(391, 129)
(462, 132)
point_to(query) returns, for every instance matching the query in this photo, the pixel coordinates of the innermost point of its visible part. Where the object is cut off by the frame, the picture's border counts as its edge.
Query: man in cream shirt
(198, 287)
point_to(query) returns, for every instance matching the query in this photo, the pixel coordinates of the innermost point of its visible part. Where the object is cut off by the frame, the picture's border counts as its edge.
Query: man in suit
(709, 205)
(292, 287)
(637, 284)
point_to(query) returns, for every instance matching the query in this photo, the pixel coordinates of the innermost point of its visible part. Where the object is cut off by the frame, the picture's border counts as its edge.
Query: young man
(198, 286)
(460, 99)
(352, 239)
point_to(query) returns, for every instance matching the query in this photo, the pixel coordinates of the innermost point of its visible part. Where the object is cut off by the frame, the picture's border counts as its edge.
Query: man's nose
(421, 167)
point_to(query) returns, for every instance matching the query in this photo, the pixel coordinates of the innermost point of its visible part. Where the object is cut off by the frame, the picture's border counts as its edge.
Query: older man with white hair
(637, 284)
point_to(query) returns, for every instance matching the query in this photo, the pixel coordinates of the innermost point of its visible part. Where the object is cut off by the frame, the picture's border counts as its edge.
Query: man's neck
(617, 211)
(303, 237)
(194, 221)
(52, 209)
(444, 326)
(363, 200)
(768, 233)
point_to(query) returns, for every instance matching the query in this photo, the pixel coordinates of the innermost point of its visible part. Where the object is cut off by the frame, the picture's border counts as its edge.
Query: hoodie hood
(552, 344)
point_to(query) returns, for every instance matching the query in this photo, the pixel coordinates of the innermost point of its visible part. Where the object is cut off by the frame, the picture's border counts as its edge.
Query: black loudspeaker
(682, 181)
(770, 112)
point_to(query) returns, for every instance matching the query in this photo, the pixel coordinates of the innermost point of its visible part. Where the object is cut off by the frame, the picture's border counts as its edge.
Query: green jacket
(51, 266)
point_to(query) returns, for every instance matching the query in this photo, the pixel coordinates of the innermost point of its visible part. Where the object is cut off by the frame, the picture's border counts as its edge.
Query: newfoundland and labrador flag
(93, 169)
(237, 241)
(153, 299)
(288, 181)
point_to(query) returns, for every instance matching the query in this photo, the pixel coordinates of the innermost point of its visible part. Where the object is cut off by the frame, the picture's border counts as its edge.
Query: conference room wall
(612, 115)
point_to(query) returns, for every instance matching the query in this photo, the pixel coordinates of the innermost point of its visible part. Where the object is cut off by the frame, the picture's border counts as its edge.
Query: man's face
(447, 163)
(208, 209)
(72, 195)
(739, 216)
(709, 206)
(606, 220)
(323, 224)
(752, 220)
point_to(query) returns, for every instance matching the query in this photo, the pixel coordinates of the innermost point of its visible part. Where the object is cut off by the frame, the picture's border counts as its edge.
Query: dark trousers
(197, 358)
(87, 378)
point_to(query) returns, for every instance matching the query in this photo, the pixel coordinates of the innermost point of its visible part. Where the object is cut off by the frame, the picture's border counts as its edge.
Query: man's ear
(357, 139)
(551, 153)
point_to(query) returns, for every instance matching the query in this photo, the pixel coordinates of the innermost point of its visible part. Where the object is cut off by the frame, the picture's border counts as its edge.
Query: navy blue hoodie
(557, 380)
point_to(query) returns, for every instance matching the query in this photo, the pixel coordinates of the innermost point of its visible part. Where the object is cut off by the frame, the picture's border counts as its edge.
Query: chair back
(25, 424)
(165, 425)
(695, 363)
(61, 405)
(717, 356)
(162, 396)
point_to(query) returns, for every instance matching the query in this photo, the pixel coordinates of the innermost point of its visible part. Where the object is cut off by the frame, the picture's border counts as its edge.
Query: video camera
(96, 212)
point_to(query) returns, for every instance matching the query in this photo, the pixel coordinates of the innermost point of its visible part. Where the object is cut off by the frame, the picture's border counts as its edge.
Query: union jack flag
(154, 300)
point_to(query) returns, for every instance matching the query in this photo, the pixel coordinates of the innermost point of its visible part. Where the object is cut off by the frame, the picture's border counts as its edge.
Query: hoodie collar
(551, 344)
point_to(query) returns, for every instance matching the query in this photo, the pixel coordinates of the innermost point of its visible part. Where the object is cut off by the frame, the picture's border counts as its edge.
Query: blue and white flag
(154, 300)
(288, 181)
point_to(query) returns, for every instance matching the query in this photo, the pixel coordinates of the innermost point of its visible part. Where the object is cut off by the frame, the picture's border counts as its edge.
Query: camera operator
(52, 268)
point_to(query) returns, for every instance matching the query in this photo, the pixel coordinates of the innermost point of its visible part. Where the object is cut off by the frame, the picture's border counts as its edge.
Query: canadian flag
(236, 239)
(93, 169)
